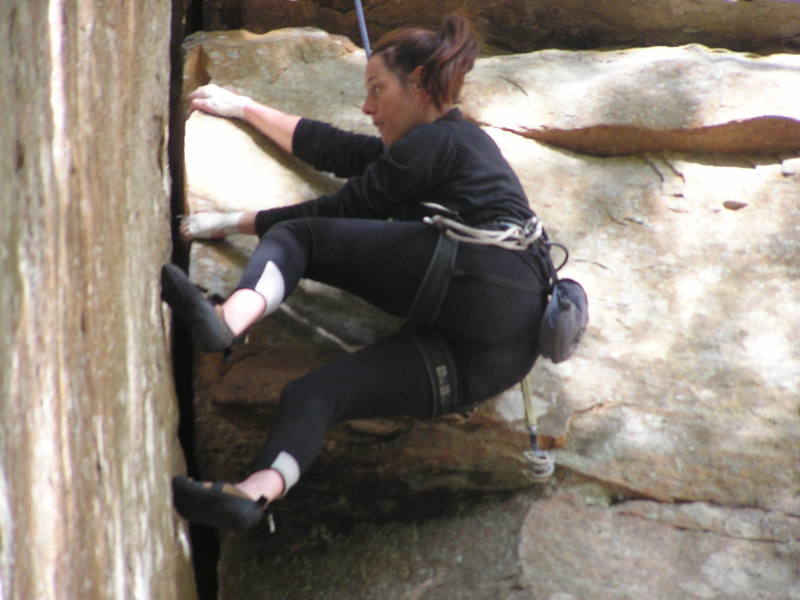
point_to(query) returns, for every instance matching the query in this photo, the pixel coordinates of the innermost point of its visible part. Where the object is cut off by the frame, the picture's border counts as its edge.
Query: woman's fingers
(218, 101)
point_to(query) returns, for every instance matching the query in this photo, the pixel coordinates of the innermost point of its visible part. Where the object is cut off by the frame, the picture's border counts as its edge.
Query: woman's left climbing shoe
(194, 309)
(221, 505)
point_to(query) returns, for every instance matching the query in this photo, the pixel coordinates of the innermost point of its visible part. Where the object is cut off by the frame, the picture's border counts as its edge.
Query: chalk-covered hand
(209, 225)
(218, 101)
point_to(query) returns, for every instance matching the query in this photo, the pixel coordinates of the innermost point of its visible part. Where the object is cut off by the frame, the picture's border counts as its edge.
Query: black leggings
(490, 329)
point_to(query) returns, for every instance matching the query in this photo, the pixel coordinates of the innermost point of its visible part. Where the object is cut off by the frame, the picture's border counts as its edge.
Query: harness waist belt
(505, 232)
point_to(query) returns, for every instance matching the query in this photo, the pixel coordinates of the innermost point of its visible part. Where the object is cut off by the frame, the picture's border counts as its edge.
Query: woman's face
(395, 107)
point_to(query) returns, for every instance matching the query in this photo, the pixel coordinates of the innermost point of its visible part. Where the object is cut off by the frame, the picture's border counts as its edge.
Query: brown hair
(445, 56)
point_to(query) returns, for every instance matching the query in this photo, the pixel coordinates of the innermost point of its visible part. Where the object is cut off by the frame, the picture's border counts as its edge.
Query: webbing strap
(441, 369)
(426, 305)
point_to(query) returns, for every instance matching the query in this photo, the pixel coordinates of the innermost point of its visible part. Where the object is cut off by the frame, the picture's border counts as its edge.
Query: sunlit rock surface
(88, 415)
(685, 393)
(691, 99)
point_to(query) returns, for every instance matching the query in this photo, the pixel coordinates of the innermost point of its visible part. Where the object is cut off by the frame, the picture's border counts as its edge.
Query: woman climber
(472, 278)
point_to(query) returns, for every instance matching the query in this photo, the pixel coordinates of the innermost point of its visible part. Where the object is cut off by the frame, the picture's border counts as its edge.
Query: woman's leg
(382, 262)
(386, 379)
(379, 261)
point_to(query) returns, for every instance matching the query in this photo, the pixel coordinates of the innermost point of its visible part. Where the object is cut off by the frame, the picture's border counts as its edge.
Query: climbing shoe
(195, 310)
(218, 504)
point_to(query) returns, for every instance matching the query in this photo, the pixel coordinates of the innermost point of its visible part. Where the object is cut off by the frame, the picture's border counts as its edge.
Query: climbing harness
(420, 320)
(565, 316)
(362, 27)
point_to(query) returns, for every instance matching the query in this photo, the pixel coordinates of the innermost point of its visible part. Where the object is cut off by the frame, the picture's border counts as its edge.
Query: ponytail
(445, 56)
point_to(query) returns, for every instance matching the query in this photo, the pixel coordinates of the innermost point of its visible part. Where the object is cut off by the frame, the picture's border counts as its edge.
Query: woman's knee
(299, 230)
(296, 392)
(306, 399)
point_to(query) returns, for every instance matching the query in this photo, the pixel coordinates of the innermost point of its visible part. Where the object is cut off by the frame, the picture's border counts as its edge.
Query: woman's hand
(218, 101)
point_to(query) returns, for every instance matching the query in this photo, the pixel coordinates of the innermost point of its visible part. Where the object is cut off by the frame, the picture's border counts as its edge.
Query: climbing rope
(362, 27)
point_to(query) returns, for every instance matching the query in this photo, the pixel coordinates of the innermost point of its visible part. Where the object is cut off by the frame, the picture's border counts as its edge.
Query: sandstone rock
(684, 389)
(649, 551)
(691, 99)
(524, 25)
(88, 411)
(566, 546)
(471, 555)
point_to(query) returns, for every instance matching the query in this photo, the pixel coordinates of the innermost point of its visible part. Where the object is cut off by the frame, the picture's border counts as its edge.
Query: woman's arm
(273, 123)
(276, 125)
(328, 148)
(393, 185)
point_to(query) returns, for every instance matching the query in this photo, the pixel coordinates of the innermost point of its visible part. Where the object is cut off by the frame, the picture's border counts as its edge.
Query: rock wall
(88, 413)
(524, 25)
(673, 176)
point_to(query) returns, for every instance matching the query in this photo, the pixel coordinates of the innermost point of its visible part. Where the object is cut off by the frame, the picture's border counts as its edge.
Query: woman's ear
(416, 78)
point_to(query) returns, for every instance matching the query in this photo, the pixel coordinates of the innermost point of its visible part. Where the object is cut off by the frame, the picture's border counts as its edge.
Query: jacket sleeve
(333, 150)
(406, 174)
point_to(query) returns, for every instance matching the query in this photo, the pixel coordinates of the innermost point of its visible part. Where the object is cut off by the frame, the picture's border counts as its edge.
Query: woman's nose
(367, 107)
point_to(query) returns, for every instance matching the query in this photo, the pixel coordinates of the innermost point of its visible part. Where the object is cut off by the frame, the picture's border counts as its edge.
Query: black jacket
(450, 162)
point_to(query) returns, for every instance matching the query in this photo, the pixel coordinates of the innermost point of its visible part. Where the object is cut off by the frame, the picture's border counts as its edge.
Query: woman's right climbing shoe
(195, 310)
(218, 504)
